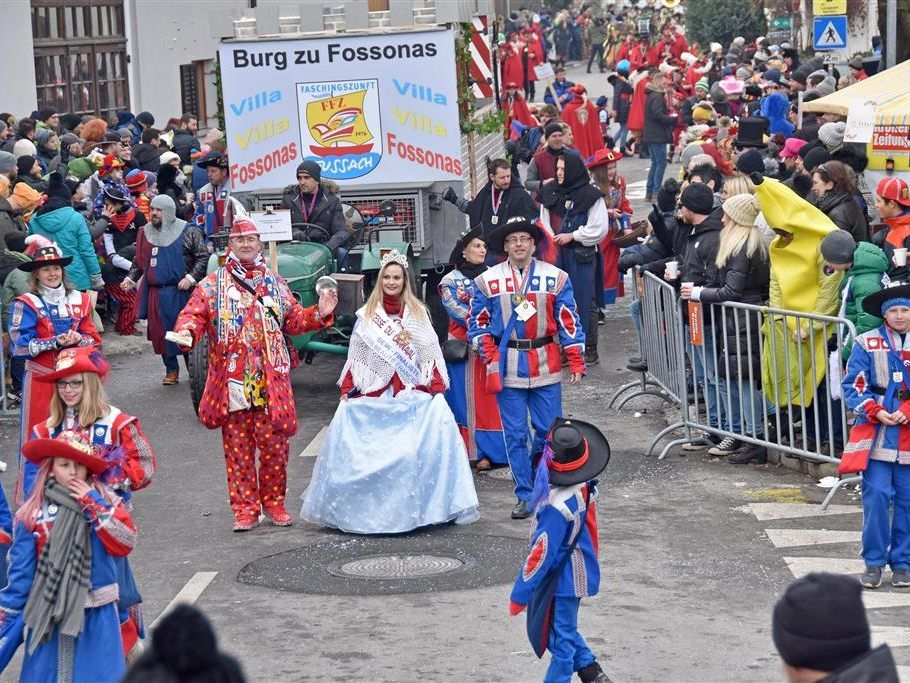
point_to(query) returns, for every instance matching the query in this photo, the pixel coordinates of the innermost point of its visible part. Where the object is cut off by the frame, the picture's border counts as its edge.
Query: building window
(192, 90)
(377, 5)
(80, 56)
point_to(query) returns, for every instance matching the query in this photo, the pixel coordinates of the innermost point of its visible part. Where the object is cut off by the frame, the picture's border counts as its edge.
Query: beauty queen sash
(388, 338)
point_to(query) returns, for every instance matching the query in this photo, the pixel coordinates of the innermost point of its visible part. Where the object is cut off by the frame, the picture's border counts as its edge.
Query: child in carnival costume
(47, 319)
(876, 391)
(562, 566)
(61, 599)
(137, 183)
(110, 175)
(80, 406)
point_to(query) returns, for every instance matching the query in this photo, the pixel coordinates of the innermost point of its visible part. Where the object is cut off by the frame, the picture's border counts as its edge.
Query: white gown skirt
(390, 465)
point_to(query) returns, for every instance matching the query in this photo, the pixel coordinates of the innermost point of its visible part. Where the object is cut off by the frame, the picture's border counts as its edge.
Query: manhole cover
(398, 566)
(501, 473)
(422, 562)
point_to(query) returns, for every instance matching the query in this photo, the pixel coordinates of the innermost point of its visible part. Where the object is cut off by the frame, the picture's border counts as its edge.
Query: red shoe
(246, 522)
(277, 515)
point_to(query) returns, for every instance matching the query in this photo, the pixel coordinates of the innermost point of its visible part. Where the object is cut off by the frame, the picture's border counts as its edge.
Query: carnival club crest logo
(340, 126)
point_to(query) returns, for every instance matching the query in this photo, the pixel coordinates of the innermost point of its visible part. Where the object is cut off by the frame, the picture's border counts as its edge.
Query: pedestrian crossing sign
(830, 33)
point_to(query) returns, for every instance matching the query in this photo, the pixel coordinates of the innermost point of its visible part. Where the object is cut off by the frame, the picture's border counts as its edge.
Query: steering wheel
(322, 235)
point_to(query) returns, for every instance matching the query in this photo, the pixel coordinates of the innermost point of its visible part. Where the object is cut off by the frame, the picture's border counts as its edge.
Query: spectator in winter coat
(168, 183)
(185, 143)
(701, 224)
(665, 243)
(8, 171)
(892, 199)
(622, 101)
(561, 88)
(28, 171)
(822, 634)
(562, 41)
(700, 93)
(47, 146)
(836, 197)
(21, 201)
(774, 107)
(658, 132)
(57, 220)
(742, 257)
(146, 154)
(13, 283)
(864, 265)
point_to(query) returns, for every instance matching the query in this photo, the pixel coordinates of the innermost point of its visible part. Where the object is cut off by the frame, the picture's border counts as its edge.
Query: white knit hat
(742, 209)
(168, 157)
(24, 147)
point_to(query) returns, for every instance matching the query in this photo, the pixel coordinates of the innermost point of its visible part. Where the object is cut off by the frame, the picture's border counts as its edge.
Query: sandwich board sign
(830, 33)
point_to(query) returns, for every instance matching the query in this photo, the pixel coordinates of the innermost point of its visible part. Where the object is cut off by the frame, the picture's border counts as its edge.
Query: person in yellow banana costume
(799, 283)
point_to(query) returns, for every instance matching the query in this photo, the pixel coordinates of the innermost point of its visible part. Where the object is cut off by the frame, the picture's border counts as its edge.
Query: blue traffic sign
(830, 33)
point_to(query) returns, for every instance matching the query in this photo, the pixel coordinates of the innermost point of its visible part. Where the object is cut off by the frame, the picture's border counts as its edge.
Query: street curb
(816, 470)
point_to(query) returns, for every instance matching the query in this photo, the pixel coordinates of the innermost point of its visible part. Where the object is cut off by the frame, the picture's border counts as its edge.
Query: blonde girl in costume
(61, 598)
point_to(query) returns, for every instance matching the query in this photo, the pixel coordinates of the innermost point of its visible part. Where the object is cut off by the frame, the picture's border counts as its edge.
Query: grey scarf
(57, 596)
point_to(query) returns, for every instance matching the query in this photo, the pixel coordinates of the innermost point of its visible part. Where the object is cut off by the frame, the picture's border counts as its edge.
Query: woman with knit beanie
(742, 258)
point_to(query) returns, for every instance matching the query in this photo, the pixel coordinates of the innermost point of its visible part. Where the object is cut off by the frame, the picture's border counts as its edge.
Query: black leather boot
(592, 673)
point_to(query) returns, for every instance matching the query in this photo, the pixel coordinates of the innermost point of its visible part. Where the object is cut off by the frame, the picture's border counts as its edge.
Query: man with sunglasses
(522, 315)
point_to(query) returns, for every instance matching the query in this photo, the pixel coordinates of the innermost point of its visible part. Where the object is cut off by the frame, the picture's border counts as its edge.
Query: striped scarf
(58, 592)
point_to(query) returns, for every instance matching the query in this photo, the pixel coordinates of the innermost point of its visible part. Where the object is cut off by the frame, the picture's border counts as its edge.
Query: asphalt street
(694, 552)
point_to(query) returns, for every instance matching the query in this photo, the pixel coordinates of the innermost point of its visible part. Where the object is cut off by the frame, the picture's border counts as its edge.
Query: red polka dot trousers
(244, 432)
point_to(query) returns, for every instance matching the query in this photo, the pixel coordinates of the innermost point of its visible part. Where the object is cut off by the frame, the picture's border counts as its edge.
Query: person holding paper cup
(892, 199)
(246, 309)
(701, 224)
(171, 258)
(744, 275)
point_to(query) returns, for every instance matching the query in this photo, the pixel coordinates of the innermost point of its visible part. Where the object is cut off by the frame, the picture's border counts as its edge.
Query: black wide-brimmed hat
(514, 224)
(46, 256)
(580, 452)
(455, 258)
(218, 161)
(872, 304)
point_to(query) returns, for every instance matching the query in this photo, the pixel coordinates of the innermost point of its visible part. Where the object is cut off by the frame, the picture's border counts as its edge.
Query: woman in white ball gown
(393, 458)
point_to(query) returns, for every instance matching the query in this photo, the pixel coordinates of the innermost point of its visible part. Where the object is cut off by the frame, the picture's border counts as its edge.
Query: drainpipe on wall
(131, 28)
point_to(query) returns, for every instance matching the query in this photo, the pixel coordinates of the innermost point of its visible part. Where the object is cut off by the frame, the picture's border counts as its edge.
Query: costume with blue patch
(562, 565)
(476, 410)
(524, 354)
(877, 385)
(36, 319)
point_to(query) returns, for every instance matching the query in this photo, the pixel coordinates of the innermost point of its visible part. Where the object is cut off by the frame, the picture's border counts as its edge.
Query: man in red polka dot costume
(246, 309)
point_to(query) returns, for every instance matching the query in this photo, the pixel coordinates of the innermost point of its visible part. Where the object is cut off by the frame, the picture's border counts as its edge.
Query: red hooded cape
(582, 118)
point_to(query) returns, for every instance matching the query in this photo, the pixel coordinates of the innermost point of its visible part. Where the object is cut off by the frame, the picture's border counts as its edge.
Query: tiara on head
(394, 256)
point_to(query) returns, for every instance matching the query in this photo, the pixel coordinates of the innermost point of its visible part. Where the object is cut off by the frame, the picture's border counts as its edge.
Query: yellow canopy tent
(890, 90)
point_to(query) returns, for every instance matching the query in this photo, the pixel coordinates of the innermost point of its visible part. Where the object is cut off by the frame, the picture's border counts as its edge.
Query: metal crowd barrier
(762, 375)
(660, 344)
